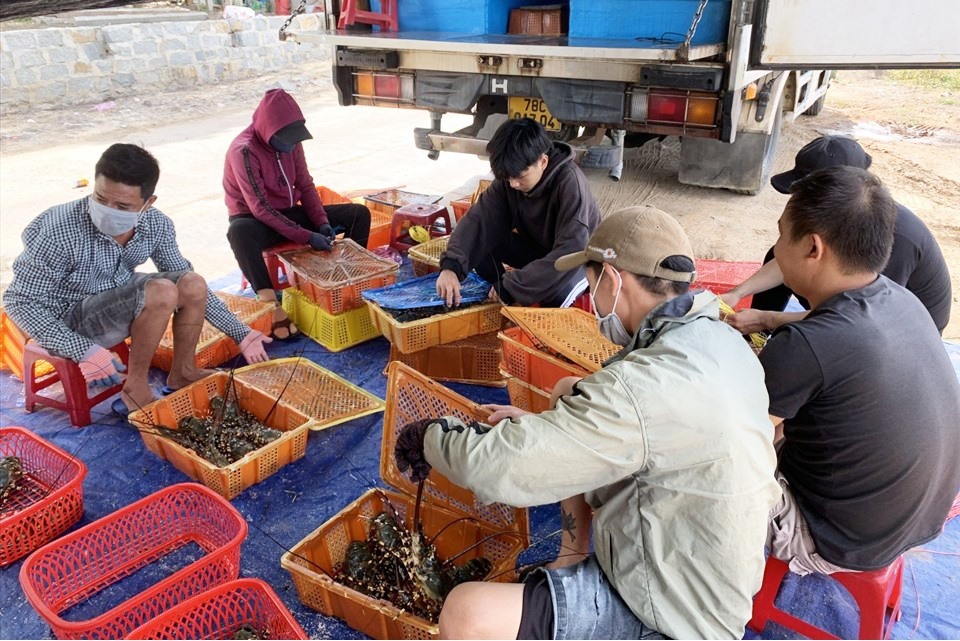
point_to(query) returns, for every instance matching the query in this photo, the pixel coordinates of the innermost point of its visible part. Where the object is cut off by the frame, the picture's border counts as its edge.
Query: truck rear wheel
(816, 107)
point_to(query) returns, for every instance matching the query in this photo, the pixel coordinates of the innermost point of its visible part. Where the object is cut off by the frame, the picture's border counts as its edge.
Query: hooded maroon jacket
(259, 180)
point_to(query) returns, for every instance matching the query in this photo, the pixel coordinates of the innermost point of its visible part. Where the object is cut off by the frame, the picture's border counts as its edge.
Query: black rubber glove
(320, 242)
(408, 452)
(327, 231)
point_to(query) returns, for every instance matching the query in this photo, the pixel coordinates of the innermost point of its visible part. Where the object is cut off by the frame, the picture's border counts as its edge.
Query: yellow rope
(758, 340)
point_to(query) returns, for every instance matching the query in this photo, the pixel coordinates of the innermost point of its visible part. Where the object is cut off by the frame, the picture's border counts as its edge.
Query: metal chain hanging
(301, 8)
(683, 53)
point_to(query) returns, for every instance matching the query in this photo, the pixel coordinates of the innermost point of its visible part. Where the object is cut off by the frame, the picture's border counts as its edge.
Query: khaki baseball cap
(635, 240)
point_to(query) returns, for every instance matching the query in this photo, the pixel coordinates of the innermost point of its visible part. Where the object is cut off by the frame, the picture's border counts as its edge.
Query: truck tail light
(383, 89)
(667, 108)
(672, 107)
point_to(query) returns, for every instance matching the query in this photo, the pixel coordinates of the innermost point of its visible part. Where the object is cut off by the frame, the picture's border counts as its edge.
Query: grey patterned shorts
(105, 318)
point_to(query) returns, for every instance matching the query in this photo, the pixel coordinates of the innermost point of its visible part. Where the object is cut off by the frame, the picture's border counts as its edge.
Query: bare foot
(136, 397)
(182, 379)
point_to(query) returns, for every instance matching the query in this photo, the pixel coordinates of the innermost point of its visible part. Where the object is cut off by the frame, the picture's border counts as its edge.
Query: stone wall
(75, 65)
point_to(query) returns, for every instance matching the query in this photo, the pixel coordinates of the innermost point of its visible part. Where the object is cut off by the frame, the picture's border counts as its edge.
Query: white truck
(721, 74)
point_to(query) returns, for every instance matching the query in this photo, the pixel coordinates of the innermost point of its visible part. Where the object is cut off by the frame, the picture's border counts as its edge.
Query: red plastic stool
(583, 302)
(877, 594)
(77, 403)
(386, 21)
(274, 266)
(424, 215)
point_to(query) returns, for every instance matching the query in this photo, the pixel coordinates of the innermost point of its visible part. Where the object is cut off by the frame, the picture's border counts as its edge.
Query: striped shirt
(67, 259)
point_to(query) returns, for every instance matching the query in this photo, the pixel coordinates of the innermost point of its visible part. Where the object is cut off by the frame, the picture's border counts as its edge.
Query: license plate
(533, 108)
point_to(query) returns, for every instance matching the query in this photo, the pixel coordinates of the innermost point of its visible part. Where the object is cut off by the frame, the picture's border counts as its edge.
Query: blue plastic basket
(422, 292)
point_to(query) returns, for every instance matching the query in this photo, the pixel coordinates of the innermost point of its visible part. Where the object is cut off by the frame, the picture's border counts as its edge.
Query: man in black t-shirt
(916, 261)
(868, 398)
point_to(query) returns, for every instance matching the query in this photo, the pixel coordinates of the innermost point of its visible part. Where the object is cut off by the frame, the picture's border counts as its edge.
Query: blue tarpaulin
(341, 463)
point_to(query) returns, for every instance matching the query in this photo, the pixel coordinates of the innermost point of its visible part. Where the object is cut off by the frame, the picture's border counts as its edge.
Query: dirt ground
(912, 132)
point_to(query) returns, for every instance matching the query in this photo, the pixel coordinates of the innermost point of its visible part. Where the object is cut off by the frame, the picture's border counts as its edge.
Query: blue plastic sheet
(343, 462)
(422, 292)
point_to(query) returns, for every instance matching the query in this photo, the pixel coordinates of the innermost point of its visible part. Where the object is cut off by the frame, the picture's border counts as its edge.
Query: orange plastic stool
(424, 215)
(386, 21)
(876, 593)
(274, 266)
(77, 404)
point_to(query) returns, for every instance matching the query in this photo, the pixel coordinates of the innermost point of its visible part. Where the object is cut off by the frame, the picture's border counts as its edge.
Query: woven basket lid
(570, 332)
(346, 263)
(311, 389)
(412, 397)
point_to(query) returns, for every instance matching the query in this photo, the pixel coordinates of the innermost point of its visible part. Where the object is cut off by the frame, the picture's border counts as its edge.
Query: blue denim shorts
(586, 606)
(105, 318)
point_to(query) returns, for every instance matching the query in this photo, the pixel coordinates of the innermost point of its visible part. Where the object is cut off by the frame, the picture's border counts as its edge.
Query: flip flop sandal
(287, 324)
(166, 390)
(120, 408)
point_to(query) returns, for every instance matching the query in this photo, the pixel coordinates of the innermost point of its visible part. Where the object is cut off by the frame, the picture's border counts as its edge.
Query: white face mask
(610, 325)
(110, 221)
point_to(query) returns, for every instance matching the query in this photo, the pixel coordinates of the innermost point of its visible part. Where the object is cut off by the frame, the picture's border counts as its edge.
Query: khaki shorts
(105, 318)
(789, 538)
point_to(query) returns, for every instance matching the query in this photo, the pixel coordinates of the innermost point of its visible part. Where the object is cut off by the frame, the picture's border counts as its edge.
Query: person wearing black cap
(271, 197)
(916, 261)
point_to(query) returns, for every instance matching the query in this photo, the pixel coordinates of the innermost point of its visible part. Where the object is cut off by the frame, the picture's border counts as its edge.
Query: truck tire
(816, 107)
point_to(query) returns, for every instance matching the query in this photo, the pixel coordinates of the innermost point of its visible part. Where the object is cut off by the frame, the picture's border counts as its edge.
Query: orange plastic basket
(335, 280)
(474, 360)
(522, 360)
(48, 499)
(569, 333)
(460, 207)
(412, 397)
(380, 222)
(527, 397)
(219, 613)
(194, 400)
(418, 335)
(426, 256)
(12, 341)
(720, 276)
(330, 197)
(313, 391)
(70, 570)
(214, 347)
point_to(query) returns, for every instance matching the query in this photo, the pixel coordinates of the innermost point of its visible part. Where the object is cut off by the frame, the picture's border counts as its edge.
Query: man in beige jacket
(665, 454)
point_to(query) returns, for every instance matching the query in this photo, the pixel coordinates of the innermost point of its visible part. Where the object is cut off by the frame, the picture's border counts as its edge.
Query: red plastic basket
(219, 613)
(75, 567)
(49, 498)
(720, 276)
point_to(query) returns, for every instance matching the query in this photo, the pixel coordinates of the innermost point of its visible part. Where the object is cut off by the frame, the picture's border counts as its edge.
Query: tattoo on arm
(569, 523)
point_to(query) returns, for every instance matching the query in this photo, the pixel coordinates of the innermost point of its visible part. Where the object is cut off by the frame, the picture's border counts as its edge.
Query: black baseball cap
(293, 133)
(825, 151)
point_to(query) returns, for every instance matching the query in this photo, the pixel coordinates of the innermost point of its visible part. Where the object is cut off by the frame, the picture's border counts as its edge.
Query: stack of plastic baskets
(474, 318)
(187, 527)
(546, 346)
(383, 204)
(45, 501)
(495, 531)
(325, 299)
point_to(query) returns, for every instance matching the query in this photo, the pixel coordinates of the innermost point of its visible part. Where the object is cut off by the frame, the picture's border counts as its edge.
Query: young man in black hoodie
(538, 208)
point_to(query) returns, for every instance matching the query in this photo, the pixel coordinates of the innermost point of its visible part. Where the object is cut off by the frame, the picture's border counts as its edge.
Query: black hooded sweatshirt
(554, 218)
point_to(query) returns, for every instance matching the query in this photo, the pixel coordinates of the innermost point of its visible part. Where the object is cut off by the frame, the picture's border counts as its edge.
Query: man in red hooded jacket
(271, 197)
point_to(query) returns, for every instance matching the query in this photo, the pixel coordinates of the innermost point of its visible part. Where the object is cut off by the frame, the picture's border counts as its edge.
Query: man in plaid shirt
(76, 293)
